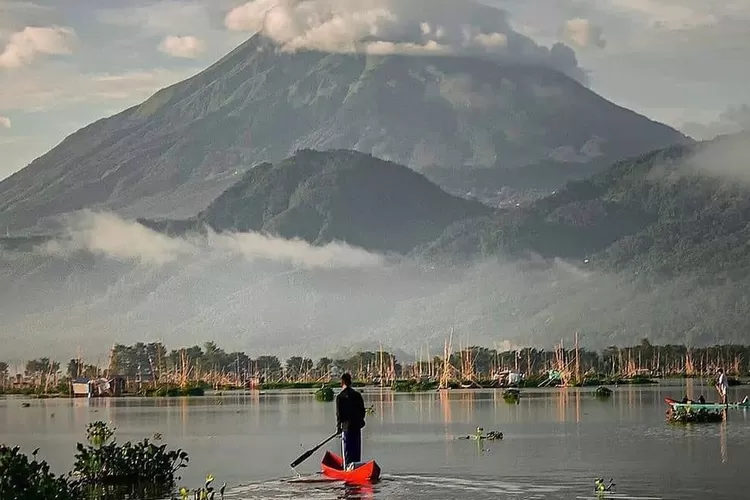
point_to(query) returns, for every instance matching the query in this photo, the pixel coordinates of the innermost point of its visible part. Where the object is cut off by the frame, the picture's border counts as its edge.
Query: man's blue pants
(351, 441)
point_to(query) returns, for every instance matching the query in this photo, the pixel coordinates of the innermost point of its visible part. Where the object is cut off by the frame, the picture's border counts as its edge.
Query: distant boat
(745, 403)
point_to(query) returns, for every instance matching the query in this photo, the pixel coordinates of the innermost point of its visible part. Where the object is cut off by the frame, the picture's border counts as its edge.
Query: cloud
(254, 246)
(723, 159)
(726, 158)
(669, 14)
(187, 47)
(25, 46)
(397, 27)
(157, 17)
(691, 54)
(583, 33)
(5, 122)
(278, 308)
(733, 119)
(108, 235)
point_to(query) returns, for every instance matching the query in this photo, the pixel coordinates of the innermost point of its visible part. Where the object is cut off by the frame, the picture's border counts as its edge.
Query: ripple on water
(406, 486)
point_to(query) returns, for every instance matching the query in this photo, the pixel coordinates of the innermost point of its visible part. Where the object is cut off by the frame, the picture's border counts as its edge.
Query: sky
(66, 64)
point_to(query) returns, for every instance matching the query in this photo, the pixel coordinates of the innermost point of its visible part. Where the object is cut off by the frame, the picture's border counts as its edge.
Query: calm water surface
(557, 441)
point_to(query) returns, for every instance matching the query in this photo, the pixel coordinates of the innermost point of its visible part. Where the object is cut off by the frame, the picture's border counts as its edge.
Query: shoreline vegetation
(149, 370)
(103, 470)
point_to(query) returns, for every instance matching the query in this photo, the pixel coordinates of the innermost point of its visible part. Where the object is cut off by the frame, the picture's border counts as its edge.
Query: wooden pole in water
(578, 362)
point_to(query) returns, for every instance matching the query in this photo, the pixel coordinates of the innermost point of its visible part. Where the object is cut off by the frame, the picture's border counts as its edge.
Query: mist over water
(110, 280)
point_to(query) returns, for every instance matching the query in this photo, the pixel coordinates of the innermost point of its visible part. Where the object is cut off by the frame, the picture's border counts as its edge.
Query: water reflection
(445, 405)
(357, 492)
(553, 436)
(723, 438)
(467, 399)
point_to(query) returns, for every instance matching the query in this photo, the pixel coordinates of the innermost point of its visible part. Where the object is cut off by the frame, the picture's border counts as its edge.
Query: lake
(557, 441)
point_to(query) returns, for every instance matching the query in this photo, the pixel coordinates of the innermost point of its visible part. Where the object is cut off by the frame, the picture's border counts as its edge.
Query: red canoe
(332, 466)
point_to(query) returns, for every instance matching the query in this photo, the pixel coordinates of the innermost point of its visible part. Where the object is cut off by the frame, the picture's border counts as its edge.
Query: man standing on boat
(350, 418)
(722, 385)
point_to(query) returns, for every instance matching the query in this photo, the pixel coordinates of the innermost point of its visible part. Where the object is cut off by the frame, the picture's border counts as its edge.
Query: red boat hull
(332, 466)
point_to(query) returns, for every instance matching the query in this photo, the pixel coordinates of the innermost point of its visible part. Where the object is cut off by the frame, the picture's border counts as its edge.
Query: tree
(41, 367)
(294, 367)
(3, 373)
(323, 367)
(269, 365)
(75, 367)
(214, 358)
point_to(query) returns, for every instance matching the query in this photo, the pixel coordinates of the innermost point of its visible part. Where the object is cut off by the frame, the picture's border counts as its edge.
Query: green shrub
(325, 393)
(24, 479)
(105, 470)
(603, 392)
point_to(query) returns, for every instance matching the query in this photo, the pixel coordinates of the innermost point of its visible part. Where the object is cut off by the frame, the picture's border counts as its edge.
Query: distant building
(100, 387)
(80, 388)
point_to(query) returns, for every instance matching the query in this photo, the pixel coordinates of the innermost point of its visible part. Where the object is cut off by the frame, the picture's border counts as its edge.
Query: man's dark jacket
(350, 410)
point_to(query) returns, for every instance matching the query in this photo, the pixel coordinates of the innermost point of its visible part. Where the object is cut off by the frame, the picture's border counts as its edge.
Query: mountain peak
(339, 195)
(470, 125)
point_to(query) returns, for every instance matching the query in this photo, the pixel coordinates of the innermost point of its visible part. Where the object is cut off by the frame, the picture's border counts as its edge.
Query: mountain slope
(675, 210)
(657, 246)
(173, 154)
(334, 196)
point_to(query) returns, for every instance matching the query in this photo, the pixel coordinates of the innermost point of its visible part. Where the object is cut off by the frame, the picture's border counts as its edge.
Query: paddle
(307, 454)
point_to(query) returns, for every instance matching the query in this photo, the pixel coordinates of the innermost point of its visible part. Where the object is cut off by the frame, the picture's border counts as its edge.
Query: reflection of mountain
(173, 154)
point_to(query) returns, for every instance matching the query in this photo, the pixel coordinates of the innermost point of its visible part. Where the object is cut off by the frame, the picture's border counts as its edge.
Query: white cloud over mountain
(397, 26)
(679, 61)
(32, 42)
(187, 47)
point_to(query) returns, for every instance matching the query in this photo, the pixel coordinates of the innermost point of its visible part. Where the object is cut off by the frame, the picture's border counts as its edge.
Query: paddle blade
(307, 454)
(302, 458)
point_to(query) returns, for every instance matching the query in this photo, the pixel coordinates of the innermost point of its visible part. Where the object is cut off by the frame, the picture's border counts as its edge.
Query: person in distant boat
(350, 419)
(722, 385)
(701, 399)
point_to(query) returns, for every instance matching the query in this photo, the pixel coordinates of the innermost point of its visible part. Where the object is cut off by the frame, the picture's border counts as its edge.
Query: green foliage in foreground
(103, 470)
(25, 479)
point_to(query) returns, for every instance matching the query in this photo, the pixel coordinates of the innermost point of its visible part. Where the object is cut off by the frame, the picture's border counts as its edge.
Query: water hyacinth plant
(103, 470)
(207, 492)
(602, 392)
(325, 394)
(24, 479)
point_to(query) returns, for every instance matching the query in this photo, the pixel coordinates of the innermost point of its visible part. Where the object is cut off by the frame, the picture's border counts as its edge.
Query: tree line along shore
(149, 369)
